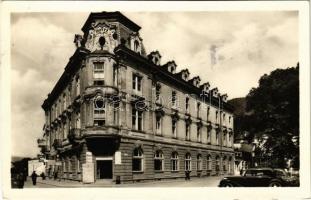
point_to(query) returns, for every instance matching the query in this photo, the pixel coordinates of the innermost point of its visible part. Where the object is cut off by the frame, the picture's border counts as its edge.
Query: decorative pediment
(171, 66)
(155, 57)
(102, 36)
(195, 81)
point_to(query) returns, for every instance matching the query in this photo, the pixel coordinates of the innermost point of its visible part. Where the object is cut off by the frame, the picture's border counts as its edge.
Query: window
(137, 83)
(208, 135)
(224, 164)
(78, 86)
(136, 46)
(78, 165)
(187, 131)
(188, 162)
(158, 161)
(98, 83)
(198, 110)
(98, 72)
(56, 111)
(137, 162)
(137, 119)
(65, 102)
(65, 133)
(208, 111)
(229, 138)
(158, 91)
(199, 134)
(217, 138)
(216, 116)
(78, 121)
(225, 139)
(187, 104)
(115, 113)
(229, 165)
(158, 125)
(199, 162)
(115, 76)
(229, 119)
(209, 162)
(174, 104)
(217, 164)
(99, 111)
(174, 128)
(174, 162)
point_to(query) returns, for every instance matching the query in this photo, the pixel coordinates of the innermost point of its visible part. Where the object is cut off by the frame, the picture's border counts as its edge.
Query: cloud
(231, 50)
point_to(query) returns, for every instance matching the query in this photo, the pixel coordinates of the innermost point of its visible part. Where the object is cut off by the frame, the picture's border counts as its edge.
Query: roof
(111, 16)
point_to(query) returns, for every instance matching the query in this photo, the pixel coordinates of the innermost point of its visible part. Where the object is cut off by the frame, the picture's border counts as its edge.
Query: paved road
(194, 182)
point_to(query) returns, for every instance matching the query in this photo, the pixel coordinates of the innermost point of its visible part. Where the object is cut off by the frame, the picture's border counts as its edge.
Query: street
(194, 182)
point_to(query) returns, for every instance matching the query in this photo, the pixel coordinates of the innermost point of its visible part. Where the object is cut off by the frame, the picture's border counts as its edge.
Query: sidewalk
(211, 181)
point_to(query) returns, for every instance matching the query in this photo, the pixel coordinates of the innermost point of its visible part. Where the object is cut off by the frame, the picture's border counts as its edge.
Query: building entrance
(104, 169)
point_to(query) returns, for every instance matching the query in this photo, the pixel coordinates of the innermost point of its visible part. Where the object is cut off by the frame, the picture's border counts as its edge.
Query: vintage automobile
(260, 177)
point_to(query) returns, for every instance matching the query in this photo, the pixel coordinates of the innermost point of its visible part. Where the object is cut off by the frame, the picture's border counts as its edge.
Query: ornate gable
(102, 36)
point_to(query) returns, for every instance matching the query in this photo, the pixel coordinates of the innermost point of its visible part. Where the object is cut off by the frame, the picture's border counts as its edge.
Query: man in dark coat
(34, 178)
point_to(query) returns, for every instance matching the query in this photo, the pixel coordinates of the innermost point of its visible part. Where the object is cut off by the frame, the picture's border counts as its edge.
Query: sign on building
(117, 158)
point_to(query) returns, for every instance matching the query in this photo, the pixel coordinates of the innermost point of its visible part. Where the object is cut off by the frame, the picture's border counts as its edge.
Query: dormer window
(171, 66)
(135, 42)
(224, 97)
(155, 57)
(215, 92)
(185, 77)
(184, 74)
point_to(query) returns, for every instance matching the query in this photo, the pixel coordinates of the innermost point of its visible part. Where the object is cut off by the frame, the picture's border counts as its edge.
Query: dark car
(260, 177)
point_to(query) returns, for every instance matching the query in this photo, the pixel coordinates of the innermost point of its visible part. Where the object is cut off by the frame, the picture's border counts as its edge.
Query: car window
(258, 173)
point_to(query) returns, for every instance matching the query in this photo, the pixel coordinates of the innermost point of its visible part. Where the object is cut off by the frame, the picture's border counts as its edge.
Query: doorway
(104, 169)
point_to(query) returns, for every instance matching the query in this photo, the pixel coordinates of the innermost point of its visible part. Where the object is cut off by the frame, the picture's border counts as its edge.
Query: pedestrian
(34, 177)
(55, 175)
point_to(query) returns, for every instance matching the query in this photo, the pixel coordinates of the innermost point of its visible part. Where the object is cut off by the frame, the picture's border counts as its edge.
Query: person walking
(34, 177)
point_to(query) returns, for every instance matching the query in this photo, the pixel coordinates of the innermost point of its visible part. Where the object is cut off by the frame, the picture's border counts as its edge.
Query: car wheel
(227, 185)
(275, 184)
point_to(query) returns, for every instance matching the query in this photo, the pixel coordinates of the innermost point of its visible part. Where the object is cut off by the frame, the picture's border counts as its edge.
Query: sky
(230, 50)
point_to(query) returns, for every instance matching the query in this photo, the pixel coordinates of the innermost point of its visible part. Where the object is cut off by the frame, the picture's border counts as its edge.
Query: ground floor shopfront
(124, 160)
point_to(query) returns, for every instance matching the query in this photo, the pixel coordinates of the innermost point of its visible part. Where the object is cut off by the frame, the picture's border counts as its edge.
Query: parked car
(260, 177)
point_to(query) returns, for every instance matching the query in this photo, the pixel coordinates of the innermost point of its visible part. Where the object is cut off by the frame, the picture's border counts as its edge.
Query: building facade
(116, 113)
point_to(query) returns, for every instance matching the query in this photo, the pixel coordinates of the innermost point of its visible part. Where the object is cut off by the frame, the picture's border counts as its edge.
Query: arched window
(174, 162)
(136, 46)
(137, 161)
(217, 163)
(158, 161)
(199, 162)
(224, 163)
(209, 162)
(188, 162)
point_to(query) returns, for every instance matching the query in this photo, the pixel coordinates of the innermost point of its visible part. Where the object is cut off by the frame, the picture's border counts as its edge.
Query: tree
(273, 109)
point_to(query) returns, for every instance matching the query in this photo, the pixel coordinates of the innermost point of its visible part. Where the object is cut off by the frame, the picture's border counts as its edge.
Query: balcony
(74, 135)
(108, 90)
